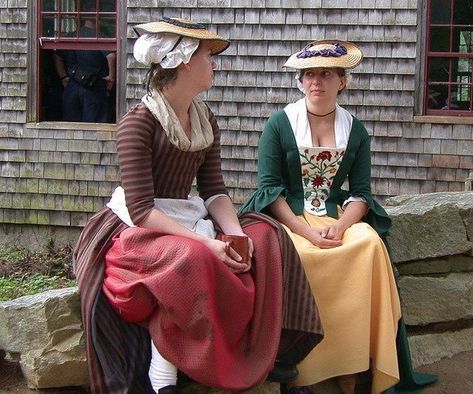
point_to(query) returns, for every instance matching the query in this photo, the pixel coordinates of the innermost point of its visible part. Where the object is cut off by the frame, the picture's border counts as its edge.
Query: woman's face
(322, 84)
(202, 65)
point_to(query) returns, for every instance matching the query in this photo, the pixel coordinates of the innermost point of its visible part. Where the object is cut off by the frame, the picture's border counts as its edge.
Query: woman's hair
(157, 77)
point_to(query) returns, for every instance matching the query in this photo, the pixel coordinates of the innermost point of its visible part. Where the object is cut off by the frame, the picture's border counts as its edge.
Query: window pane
(439, 70)
(463, 12)
(440, 12)
(461, 97)
(464, 39)
(88, 6)
(68, 6)
(86, 66)
(465, 67)
(107, 27)
(85, 96)
(49, 5)
(440, 39)
(449, 74)
(437, 96)
(68, 26)
(107, 5)
(88, 26)
(463, 78)
(49, 26)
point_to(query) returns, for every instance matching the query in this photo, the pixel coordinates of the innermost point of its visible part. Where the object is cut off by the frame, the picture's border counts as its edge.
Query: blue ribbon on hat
(337, 51)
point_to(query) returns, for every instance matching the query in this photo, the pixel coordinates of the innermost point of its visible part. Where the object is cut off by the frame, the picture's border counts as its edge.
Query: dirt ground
(455, 377)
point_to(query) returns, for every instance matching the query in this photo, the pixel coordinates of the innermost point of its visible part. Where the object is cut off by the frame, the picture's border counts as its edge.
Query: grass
(24, 272)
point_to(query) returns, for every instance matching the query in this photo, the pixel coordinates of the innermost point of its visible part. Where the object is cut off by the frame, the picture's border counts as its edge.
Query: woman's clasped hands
(327, 237)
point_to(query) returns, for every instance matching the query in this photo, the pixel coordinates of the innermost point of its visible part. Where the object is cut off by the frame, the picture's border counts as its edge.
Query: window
(449, 58)
(77, 48)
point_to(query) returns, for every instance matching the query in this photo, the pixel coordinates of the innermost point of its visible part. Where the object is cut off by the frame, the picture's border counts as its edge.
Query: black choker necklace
(321, 116)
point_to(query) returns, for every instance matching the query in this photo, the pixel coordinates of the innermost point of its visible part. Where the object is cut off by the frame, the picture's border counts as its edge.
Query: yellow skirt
(356, 294)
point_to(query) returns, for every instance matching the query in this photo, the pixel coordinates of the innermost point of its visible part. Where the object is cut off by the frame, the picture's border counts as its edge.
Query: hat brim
(217, 43)
(353, 57)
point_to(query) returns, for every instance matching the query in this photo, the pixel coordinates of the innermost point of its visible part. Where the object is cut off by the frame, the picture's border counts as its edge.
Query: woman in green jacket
(306, 153)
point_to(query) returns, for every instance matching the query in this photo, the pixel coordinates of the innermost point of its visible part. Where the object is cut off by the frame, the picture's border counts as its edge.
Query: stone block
(429, 348)
(429, 300)
(437, 221)
(46, 329)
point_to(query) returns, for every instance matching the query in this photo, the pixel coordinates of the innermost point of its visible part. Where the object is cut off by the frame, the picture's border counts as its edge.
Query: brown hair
(157, 77)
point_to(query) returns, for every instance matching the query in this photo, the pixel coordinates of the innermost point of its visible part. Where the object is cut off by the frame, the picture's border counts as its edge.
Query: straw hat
(326, 53)
(186, 28)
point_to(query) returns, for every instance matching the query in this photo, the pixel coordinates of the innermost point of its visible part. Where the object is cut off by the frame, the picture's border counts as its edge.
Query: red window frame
(451, 56)
(64, 42)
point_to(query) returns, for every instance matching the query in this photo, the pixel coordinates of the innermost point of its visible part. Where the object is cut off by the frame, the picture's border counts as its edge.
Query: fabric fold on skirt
(219, 328)
(114, 360)
(359, 306)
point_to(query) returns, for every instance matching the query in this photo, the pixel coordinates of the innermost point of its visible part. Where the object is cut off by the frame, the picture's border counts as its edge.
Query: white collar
(297, 115)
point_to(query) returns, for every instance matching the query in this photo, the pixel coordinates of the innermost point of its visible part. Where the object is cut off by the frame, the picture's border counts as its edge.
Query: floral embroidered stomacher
(319, 166)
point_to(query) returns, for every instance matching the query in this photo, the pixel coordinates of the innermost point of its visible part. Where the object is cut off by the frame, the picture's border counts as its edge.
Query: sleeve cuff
(211, 199)
(350, 199)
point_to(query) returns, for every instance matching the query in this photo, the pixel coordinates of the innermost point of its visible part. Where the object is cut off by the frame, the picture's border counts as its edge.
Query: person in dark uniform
(87, 76)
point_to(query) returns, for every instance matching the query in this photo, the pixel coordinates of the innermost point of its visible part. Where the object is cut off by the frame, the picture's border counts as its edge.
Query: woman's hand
(219, 249)
(251, 249)
(318, 237)
(234, 254)
(335, 231)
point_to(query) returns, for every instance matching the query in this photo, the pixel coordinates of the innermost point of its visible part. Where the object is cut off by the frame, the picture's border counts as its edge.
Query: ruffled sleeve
(271, 159)
(261, 199)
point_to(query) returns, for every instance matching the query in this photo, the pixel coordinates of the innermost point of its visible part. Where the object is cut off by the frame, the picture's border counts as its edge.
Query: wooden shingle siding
(250, 83)
(57, 176)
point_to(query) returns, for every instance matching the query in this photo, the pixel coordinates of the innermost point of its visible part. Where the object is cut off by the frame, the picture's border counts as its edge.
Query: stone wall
(55, 175)
(431, 246)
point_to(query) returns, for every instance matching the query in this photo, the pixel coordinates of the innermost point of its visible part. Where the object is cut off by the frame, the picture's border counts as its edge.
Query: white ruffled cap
(159, 48)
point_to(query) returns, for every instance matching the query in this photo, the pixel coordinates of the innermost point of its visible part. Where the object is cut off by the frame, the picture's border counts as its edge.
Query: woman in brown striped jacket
(153, 263)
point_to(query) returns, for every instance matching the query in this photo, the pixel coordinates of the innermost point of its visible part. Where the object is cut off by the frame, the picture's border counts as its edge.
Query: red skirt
(219, 328)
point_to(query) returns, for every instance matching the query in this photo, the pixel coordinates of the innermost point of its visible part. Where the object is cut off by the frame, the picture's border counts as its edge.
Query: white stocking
(161, 372)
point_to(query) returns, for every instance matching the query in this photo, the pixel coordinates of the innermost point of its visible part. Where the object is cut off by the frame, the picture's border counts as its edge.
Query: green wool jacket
(279, 173)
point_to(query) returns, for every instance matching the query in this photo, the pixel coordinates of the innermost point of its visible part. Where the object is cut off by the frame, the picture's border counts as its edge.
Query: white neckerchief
(201, 135)
(297, 115)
